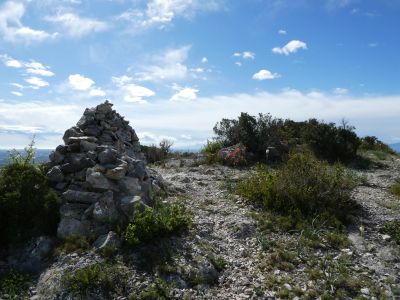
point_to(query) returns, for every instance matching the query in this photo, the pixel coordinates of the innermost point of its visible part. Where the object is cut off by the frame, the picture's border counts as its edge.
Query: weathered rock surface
(96, 171)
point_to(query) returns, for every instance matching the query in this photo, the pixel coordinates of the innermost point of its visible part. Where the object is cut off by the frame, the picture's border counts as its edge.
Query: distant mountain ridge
(42, 155)
(395, 147)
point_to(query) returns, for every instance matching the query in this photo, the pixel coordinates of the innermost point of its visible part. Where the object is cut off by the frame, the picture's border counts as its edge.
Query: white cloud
(291, 47)
(32, 67)
(238, 63)
(19, 94)
(245, 55)
(11, 62)
(79, 82)
(97, 92)
(12, 29)
(130, 92)
(161, 13)
(169, 65)
(282, 32)
(20, 86)
(340, 91)
(185, 95)
(76, 26)
(204, 60)
(36, 82)
(373, 45)
(265, 74)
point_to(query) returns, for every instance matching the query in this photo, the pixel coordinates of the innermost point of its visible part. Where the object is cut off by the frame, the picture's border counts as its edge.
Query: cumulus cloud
(340, 91)
(161, 13)
(31, 68)
(282, 32)
(77, 26)
(11, 62)
(291, 47)
(185, 95)
(81, 83)
(131, 92)
(168, 65)
(12, 28)
(36, 82)
(204, 60)
(265, 74)
(245, 55)
(19, 94)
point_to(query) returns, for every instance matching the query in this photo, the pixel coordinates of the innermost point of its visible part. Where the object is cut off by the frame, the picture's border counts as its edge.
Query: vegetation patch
(395, 188)
(303, 188)
(72, 243)
(28, 205)
(15, 284)
(157, 291)
(211, 150)
(100, 279)
(160, 221)
(392, 228)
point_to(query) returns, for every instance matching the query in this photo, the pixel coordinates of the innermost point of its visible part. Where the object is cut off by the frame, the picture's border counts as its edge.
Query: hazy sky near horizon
(176, 67)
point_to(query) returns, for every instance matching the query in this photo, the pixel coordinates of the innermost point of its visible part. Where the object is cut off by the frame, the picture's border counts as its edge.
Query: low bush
(28, 205)
(72, 243)
(326, 140)
(99, 278)
(15, 284)
(393, 229)
(303, 188)
(211, 150)
(162, 220)
(395, 188)
(372, 143)
(153, 154)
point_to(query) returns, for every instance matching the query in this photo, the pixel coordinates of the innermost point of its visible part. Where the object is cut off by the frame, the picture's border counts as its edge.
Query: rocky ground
(227, 255)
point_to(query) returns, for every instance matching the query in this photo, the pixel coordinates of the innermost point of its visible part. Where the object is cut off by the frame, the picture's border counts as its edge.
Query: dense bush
(372, 143)
(28, 205)
(395, 188)
(303, 188)
(100, 278)
(327, 141)
(211, 150)
(151, 223)
(393, 229)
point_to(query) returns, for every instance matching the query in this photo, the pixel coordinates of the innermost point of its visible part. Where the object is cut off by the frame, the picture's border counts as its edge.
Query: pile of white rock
(100, 173)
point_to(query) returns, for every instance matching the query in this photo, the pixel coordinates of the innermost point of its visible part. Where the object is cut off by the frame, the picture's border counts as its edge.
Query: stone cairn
(100, 174)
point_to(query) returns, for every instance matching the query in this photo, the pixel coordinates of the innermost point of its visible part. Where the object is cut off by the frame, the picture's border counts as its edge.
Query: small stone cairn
(100, 173)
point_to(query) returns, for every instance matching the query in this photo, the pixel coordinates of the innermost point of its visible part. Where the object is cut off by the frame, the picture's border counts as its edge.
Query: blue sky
(176, 67)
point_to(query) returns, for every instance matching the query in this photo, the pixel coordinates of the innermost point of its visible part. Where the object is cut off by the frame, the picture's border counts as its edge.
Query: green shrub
(372, 143)
(326, 140)
(393, 229)
(153, 154)
(395, 188)
(15, 284)
(303, 188)
(157, 291)
(98, 277)
(211, 150)
(28, 205)
(151, 223)
(72, 243)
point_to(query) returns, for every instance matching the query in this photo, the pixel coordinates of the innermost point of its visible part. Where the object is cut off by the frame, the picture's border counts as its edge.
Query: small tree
(165, 146)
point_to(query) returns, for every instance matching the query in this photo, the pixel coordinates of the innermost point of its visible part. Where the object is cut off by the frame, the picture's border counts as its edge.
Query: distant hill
(395, 147)
(42, 155)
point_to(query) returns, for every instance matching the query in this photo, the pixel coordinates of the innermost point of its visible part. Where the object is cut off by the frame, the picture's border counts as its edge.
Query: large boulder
(100, 173)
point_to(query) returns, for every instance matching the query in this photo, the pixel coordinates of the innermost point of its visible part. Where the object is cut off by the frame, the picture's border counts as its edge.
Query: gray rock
(88, 146)
(110, 239)
(108, 156)
(55, 174)
(104, 108)
(73, 131)
(92, 131)
(77, 165)
(73, 210)
(81, 197)
(130, 185)
(105, 210)
(129, 203)
(56, 157)
(90, 139)
(71, 226)
(98, 181)
(116, 173)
